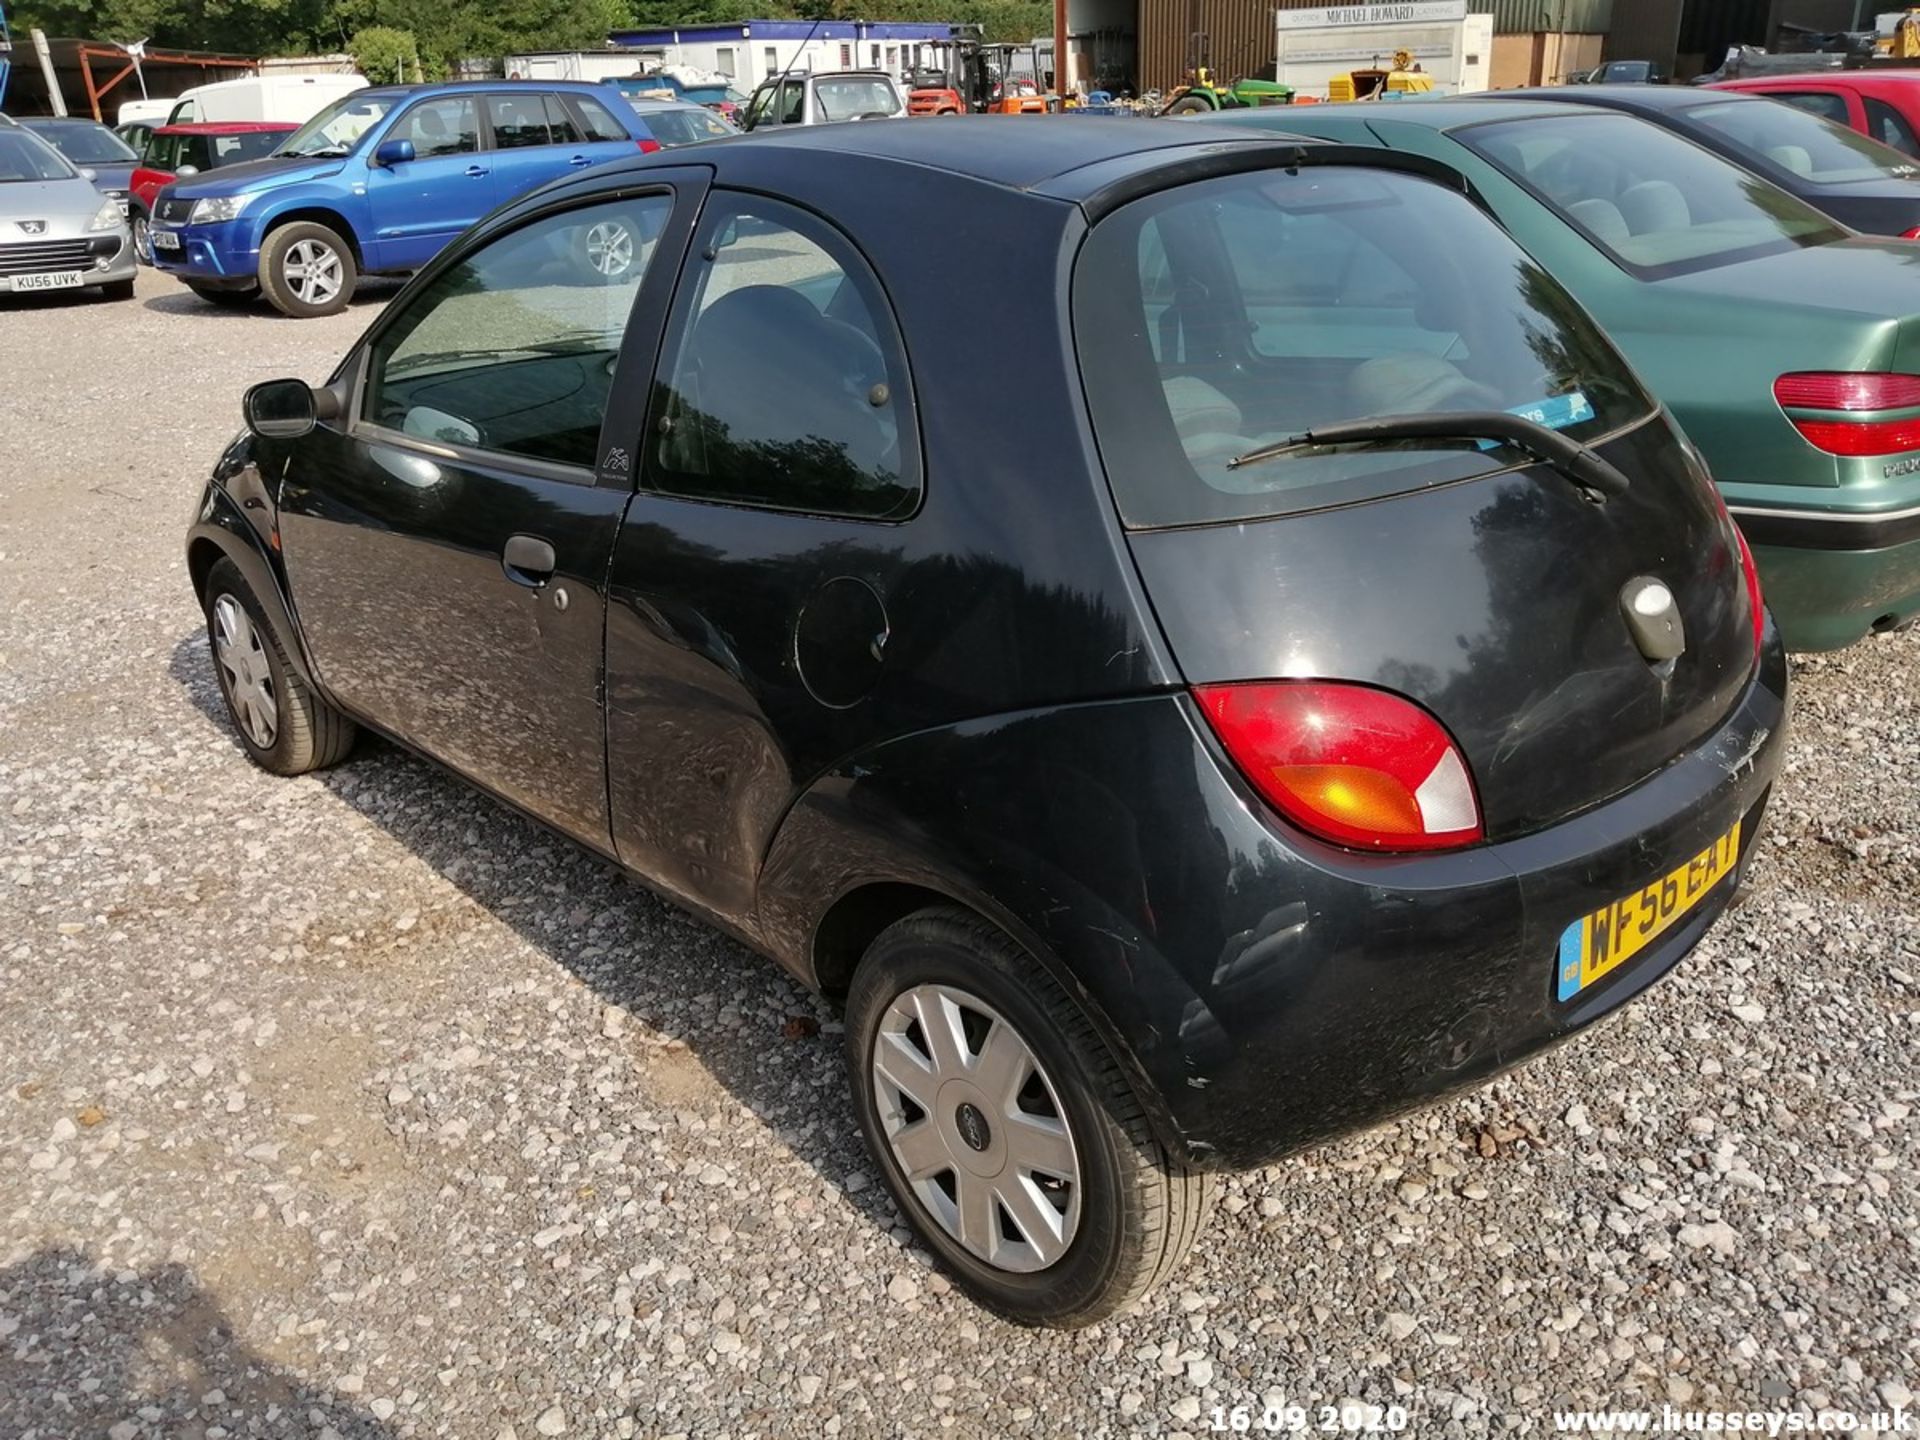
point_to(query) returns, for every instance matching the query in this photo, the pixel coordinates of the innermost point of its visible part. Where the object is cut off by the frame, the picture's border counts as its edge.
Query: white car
(825, 99)
(56, 231)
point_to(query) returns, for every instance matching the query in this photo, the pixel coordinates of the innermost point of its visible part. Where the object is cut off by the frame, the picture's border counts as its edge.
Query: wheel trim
(610, 248)
(142, 239)
(244, 673)
(1008, 1189)
(313, 272)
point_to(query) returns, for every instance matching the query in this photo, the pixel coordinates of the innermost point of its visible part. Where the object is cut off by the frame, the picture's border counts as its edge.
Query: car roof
(1862, 80)
(227, 127)
(54, 122)
(1623, 97)
(647, 104)
(1437, 113)
(998, 150)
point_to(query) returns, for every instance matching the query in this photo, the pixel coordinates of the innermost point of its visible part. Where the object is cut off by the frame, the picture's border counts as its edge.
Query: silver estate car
(56, 231)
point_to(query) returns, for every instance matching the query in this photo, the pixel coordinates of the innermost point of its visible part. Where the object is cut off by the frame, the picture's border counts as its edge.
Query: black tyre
(142, 238)
(282, 724)
(1189, 105)
(227, 297)
(1007, 1131)
(117, 290)
(307, 270)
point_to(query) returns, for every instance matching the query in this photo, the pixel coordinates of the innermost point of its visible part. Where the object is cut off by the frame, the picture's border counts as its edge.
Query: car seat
(795, 384)
(1653, 206)
(1794, 158)
(1411, 382)
(1603, 220)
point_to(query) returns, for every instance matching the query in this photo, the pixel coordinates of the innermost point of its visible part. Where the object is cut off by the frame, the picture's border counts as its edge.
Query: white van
(145, 112)
(290, 99)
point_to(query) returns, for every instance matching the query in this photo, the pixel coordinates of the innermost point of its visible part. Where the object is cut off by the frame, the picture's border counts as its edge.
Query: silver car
(56, 231)
(681, 122)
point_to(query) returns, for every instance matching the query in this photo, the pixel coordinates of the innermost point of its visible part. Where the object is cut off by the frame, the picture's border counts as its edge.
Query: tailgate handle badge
(1653, 619)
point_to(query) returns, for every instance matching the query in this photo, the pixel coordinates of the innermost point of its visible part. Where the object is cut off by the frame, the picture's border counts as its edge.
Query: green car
(1787, 347)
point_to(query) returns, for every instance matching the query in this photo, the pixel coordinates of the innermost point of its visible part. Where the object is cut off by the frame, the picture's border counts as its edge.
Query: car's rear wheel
(228, 297)
(611, 248)
(307, 270)
(283, 726)
(1007, 1131)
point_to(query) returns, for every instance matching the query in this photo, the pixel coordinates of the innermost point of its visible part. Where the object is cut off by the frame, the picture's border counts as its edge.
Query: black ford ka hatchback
(1199, 641)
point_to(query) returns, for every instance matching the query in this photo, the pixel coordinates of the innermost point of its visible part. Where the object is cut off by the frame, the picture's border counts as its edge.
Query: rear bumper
(1832, 576)
(1381, 985)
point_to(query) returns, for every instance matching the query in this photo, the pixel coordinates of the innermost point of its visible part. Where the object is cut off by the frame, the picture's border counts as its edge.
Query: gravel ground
(354, 1106)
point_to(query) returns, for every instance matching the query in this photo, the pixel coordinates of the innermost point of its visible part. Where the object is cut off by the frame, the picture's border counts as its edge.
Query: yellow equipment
(1905, 44)
(1405, 78)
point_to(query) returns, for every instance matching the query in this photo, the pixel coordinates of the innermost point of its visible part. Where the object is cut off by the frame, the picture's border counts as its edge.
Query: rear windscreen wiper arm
(1595, 477)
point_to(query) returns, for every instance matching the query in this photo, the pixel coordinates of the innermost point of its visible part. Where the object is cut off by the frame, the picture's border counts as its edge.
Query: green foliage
(443, 31)
(385, 54)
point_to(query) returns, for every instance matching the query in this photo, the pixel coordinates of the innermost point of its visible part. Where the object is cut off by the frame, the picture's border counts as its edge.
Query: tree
(384, 54)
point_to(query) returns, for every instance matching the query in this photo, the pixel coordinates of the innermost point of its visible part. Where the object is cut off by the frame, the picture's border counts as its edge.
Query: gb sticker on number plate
(1597, 944)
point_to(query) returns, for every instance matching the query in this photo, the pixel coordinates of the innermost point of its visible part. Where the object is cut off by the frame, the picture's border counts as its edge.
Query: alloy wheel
(244, 669)
(610, 248)
(312, 270)
(142, 240)
(977, 1128)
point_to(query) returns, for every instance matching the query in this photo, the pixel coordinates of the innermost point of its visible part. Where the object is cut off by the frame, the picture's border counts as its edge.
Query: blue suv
(376, 183)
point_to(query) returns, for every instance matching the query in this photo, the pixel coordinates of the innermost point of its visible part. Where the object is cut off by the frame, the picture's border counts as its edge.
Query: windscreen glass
(1228, 316)
(1788, 139)
(338, 128)
(24, 157)
(854, 99)
(1659, 205)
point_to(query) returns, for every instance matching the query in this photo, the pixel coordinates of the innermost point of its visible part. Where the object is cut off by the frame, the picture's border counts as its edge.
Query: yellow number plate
(1603, 941)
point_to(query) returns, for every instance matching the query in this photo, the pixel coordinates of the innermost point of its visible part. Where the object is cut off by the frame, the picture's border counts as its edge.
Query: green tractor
(1203, 95)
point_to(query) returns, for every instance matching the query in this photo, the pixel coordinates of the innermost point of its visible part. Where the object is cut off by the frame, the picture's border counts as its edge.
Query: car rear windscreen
(1229, 315)
(1659, 205)
(1802, 145)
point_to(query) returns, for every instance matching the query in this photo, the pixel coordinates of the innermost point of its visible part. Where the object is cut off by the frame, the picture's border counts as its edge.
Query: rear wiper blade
(1594, 476)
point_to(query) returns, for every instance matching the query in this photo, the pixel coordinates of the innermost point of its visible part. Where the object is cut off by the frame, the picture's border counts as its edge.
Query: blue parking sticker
(1572, 951)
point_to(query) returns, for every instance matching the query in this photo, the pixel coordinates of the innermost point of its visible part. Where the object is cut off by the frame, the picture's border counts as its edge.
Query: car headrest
(1791, 157)
(1197, 408)
(1603, 219)
(1654, 205)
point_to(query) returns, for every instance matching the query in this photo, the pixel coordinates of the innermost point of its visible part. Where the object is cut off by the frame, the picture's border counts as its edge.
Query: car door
(779, 471)
(585, 132)
(418, 205)
(524, 138)
(1842, 107)
(447, 539)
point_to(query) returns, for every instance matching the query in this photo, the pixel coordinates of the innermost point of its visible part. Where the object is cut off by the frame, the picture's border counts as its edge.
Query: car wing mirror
(286, 409)
(87, 172)
(393, 152)
(188, 170)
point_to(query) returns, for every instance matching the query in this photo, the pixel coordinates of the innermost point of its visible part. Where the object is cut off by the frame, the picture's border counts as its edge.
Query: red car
(176, 150)
(1880, 103)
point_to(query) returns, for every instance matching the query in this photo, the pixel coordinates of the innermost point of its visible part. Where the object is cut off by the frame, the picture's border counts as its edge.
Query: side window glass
(512, 350)
(759, 106)
(793, 95)
(1889, 127)
(560, 125)
(193, 151)
(517, 120)
(668, 127)
(788, 388)
(440, 127)
(1825, 104)
(600, 122)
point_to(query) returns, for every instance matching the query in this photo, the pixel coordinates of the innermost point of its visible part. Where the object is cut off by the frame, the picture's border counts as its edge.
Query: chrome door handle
(476, 171)
(580, 160)
(528, 560)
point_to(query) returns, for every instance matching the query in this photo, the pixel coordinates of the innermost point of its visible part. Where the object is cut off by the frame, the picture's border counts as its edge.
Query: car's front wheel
(142, 238)
(307, 270)
(282, 724)
(1006, 1129)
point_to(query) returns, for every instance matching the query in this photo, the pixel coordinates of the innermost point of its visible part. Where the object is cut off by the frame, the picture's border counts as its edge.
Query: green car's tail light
(1351, 764)
(1852, 394)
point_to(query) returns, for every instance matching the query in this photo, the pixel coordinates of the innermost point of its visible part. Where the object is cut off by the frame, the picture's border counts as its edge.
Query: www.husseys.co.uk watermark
(1670, 1421)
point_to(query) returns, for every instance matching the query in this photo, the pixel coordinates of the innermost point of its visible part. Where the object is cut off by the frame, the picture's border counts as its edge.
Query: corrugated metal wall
(1240, 33)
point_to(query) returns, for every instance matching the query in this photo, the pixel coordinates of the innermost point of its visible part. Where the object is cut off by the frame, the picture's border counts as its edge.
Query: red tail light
(1852, 393)
(1756, 605)
(1913, 234)
(649, 147)
(1357, 766)
(1750, 572)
